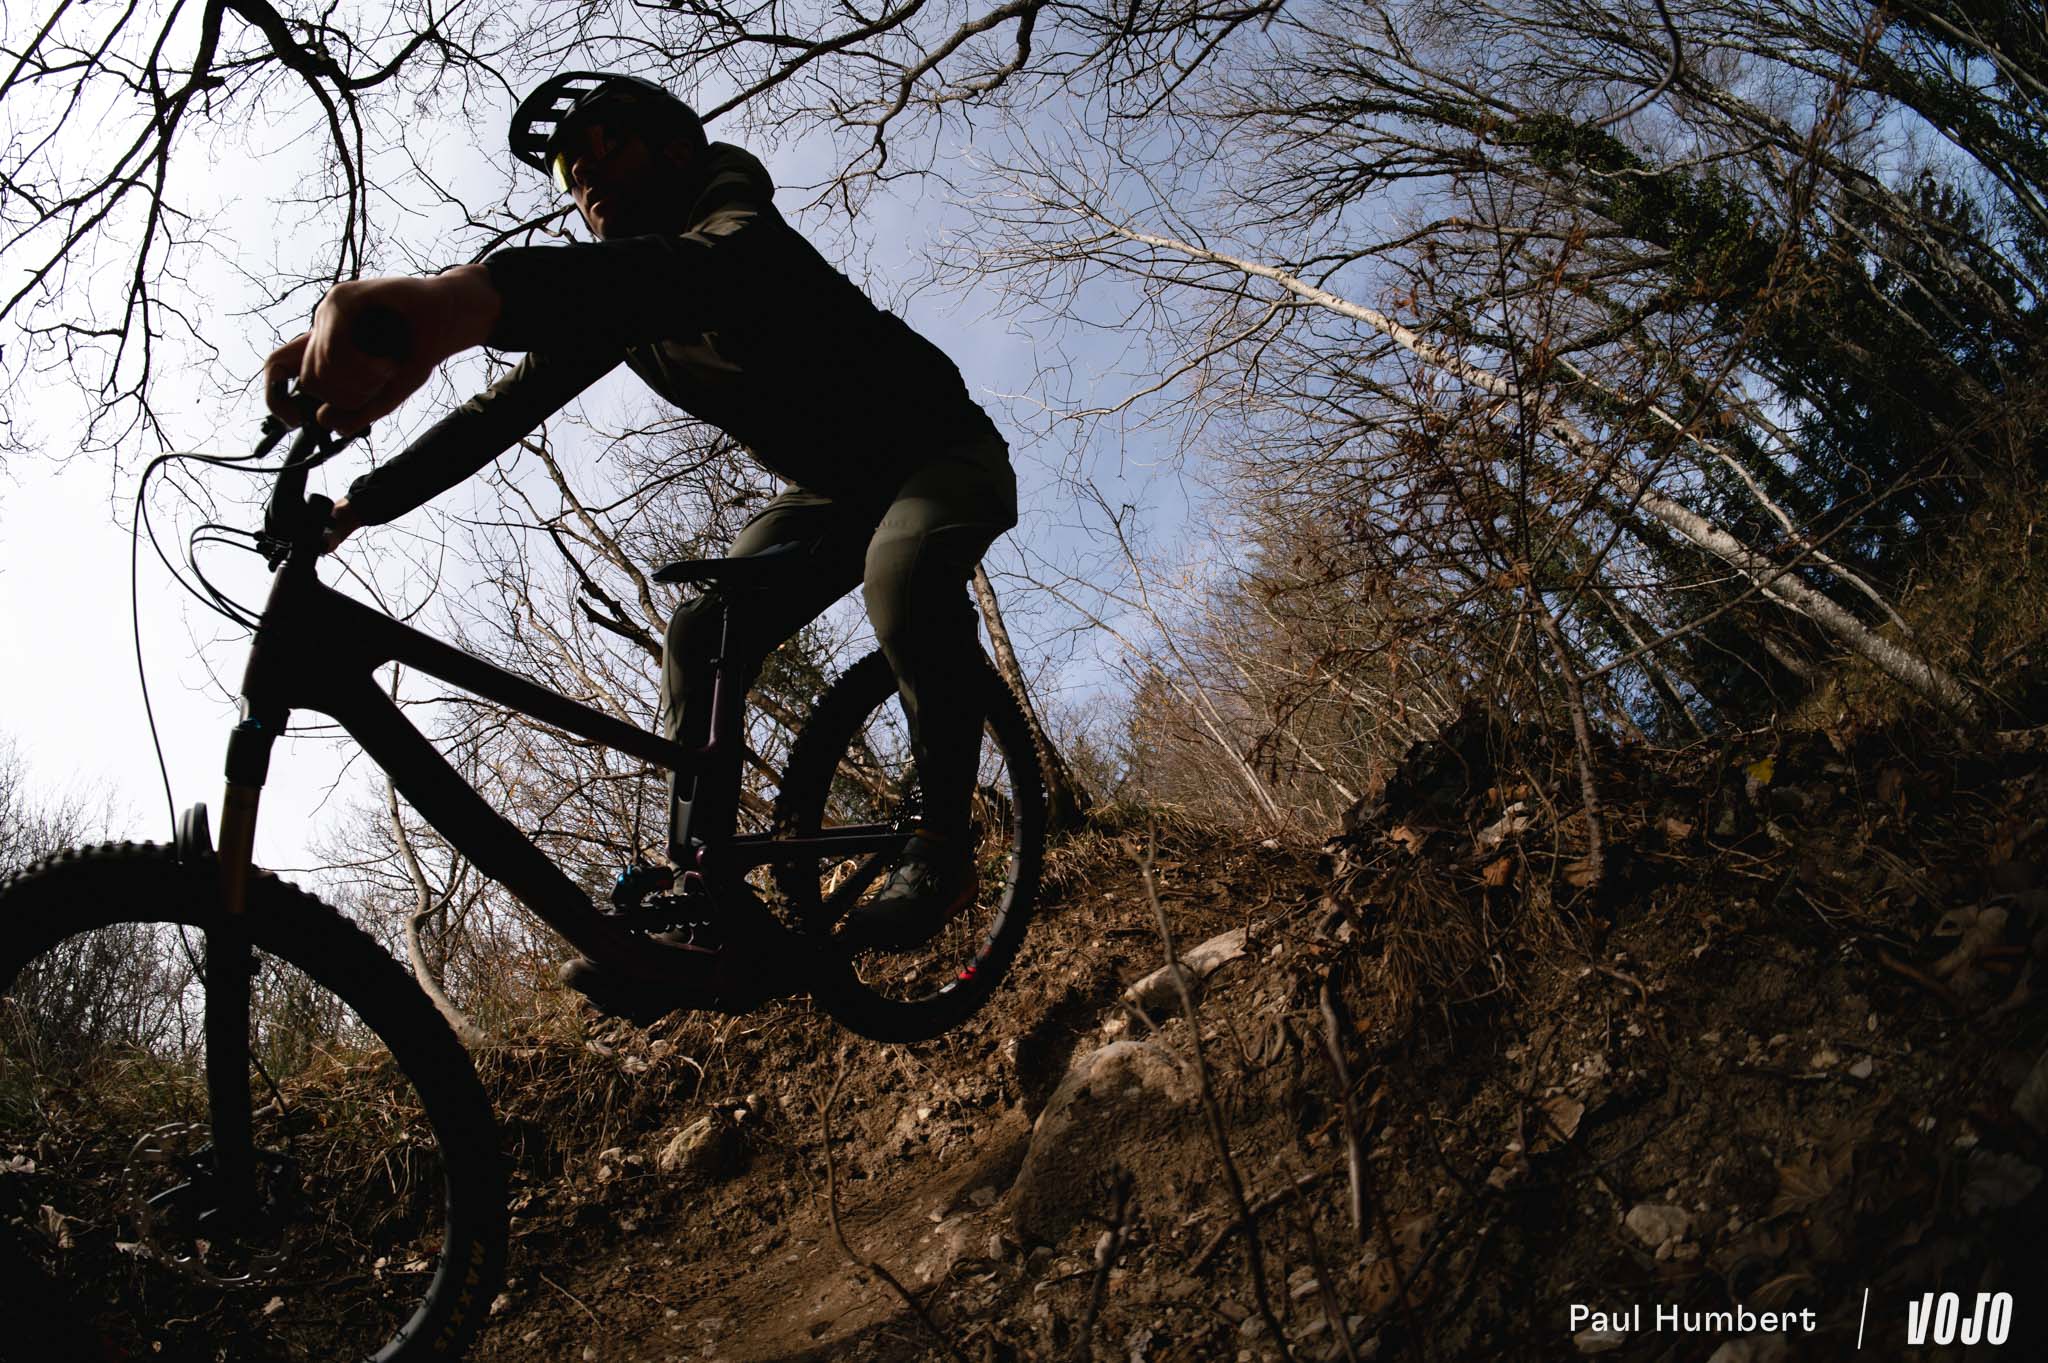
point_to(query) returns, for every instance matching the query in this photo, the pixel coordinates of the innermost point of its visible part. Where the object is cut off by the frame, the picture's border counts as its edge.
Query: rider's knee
(692, 631)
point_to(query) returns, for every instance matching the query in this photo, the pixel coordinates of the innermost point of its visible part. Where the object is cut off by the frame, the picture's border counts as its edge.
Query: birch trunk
(1781, 584)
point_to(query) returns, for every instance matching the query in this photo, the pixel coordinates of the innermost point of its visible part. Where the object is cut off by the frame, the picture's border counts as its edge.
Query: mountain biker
(896, 479)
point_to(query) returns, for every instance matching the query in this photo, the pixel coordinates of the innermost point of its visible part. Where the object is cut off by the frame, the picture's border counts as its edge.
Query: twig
(1254, 1255)
(1333, 1042)
(1334, 1025)
(1921, 978)
(1333, 1313)
(1625, 978)
(839, 1236)
(1111, 1247)
(570, 1295)
(1259, 1208)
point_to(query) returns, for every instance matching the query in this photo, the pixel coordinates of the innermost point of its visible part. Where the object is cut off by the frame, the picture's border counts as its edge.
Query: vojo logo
(1940, 1319)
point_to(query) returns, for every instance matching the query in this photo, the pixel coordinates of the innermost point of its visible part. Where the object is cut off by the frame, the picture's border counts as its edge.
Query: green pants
(911, 554)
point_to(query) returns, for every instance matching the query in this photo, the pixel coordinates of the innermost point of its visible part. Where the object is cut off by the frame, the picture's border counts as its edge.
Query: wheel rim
(875, 782)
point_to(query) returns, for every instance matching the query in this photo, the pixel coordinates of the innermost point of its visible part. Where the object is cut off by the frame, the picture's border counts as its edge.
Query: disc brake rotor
(175, 1193)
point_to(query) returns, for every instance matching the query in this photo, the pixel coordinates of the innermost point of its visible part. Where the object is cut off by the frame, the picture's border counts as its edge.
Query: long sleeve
(633, 290)
(479, 430)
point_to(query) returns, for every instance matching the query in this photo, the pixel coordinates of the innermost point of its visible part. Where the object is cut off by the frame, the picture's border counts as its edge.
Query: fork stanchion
(229, 965)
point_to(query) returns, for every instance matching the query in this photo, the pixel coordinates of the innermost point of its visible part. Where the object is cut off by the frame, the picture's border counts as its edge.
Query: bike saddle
(771, 565)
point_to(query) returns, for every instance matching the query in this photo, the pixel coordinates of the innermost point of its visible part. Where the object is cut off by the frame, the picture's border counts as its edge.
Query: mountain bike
(186, 1179)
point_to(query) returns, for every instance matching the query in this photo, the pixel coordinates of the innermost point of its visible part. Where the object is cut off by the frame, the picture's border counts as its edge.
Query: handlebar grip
(382, 332)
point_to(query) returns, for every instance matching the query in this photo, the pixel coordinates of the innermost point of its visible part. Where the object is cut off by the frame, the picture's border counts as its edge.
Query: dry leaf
(1980, 929)
(56, 1225)
(1512, 823)
(1409, 1237)
(1677, 830)
(1779, 1292)
(1562, 1114)
(1407, 837)
(1803, 1184)
(1994, 1180)
(1496, 872)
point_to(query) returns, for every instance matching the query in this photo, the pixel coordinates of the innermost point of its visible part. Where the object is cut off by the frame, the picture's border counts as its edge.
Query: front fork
(230, 964)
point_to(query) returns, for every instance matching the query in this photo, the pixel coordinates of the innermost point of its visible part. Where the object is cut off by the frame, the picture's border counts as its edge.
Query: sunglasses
(595, 134)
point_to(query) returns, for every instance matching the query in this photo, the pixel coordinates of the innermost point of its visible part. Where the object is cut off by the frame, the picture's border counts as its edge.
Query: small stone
(1862, 1067)
(1657, 1225)
(1824, 1059)
(1599, 1341)
(701, 1148)
(1757, 1348)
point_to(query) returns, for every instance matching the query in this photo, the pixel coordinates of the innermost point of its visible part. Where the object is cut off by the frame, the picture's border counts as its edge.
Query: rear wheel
(374, 1227)
(852, 765)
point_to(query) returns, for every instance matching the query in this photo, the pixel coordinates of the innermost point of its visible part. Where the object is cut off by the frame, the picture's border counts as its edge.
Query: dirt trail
(1789, 1051)
(616, 1260)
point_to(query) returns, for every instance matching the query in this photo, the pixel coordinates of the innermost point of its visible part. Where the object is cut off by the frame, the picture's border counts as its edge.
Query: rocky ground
(1783, 1050)
(1454, 1088)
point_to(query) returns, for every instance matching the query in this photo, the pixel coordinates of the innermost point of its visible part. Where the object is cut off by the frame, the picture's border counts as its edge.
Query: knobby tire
(115, 885)
(840, 717)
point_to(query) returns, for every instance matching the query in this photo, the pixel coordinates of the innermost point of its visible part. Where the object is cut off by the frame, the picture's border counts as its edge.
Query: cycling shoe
(930, 886)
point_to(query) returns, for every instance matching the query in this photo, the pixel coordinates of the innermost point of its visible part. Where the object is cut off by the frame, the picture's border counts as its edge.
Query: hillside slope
(1786, 1050)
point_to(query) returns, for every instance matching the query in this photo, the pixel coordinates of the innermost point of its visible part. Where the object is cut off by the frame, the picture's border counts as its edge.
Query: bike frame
(317, 649)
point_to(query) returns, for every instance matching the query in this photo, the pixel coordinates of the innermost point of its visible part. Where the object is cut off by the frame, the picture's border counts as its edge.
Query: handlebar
(379, 332)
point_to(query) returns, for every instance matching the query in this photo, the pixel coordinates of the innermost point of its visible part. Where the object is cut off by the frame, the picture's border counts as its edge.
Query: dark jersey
(738, 321)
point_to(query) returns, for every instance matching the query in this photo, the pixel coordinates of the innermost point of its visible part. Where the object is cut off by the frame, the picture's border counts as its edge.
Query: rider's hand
(444, 315)
(341, 523)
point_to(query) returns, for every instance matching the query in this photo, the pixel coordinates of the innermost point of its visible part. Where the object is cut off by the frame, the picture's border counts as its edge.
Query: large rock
(1656, 1225)
(1128, 1105)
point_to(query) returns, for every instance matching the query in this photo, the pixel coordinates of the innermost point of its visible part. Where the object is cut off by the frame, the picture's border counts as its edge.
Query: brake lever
(377, 331)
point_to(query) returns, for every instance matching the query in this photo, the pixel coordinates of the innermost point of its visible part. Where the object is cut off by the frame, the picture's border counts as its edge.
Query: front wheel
(373, 1223)
(852, 766)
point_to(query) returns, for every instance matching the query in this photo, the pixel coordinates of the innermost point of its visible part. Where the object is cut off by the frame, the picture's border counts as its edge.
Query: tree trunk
(424, 907)
(1066, 804)
(1779, 583)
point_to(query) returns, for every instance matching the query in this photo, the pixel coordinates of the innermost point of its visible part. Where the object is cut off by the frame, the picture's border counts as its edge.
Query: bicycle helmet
(542, 117)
